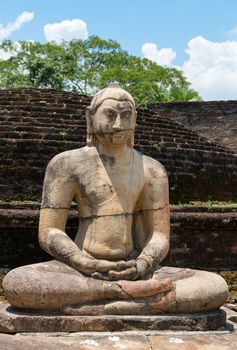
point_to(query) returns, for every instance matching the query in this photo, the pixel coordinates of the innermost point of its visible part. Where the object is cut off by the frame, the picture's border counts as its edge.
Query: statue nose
(117, 124)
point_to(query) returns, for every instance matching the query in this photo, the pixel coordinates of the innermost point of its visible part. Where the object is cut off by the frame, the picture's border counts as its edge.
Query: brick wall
(37, 124)
(215, 120)
(200, 237)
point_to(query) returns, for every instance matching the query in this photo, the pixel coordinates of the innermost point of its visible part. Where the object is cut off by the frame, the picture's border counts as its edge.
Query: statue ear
(130, 141)
(90, 139)
(135, 116)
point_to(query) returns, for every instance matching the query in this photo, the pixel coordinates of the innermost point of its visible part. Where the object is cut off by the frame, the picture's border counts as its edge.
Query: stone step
(13, 321)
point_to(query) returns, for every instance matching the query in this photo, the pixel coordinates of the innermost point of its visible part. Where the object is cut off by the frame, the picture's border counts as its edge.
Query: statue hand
(125, 274)
(124, 270)
(104, 266)
(98, 268)
(143, 268)
(137, 271)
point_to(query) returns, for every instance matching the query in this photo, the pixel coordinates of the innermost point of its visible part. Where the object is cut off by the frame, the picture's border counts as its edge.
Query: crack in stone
(122, 214)
(94, 216)
(121, 290)
(54, 207)
(149, 341)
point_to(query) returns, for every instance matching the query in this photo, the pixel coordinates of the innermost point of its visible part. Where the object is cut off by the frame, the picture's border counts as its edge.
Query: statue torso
(107, 196)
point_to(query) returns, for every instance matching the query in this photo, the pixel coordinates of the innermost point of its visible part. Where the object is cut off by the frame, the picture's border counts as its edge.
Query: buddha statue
(113, 265)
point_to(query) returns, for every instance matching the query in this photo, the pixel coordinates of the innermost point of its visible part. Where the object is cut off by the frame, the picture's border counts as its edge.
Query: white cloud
(163, 57)
(66, 30)
(212, 68)
(7, 31)
(5, 55)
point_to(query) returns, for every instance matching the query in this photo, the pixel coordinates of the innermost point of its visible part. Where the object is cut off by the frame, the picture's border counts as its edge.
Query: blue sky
(198, 36)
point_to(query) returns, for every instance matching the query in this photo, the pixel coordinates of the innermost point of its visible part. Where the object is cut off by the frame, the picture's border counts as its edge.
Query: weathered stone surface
(109, 341)
(13, 321)
(233, 318)
(231, 306)
(231, 313)
(195, 342)
(106, 342)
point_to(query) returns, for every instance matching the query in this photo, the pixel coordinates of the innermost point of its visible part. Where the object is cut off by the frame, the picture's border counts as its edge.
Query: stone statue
(113, 266)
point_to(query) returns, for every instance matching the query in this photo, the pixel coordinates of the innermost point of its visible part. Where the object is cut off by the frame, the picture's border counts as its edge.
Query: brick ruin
(215, 120)
(200, 237)
(37, 124)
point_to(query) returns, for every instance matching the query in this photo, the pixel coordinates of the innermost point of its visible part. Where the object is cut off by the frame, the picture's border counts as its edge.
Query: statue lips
(120, 136)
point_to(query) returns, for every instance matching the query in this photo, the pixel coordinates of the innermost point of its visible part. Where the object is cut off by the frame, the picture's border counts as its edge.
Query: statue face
(114, 122)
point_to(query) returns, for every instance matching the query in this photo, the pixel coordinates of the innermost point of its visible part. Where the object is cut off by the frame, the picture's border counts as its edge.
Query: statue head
(111, 117)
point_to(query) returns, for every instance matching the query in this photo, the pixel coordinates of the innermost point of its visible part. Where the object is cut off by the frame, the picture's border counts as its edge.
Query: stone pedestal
(14, 321)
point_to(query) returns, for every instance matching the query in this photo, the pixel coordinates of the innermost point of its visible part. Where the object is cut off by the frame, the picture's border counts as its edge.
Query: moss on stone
(20, 201)
(208, 204)
(231, 280)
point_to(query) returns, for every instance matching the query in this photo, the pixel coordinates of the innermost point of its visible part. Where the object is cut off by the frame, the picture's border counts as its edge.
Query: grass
(15, 202)
(208, 204)
(231, 280)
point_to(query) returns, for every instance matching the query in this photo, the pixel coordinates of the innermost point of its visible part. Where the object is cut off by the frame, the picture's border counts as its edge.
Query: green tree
(36, 65)
(86, 66)
(181, 94)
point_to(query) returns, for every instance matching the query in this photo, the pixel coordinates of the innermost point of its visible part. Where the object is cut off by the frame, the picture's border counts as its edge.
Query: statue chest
(116, 188)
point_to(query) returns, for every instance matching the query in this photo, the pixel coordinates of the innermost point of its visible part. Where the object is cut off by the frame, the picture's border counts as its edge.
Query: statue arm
(154, 221)
(58, 191)
(54, 240)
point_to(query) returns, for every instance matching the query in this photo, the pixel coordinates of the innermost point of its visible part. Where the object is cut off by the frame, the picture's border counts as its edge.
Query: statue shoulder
(153, 169)
(156, 189)
(65, 162)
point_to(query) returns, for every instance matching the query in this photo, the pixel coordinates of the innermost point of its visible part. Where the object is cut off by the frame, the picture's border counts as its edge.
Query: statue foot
(142, 306)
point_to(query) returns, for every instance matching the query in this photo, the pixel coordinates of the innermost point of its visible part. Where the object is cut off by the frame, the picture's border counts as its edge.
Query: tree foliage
(86, 66)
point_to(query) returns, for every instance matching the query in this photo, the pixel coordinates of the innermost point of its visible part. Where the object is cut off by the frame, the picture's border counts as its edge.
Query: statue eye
(110, 113)
(126, 114)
